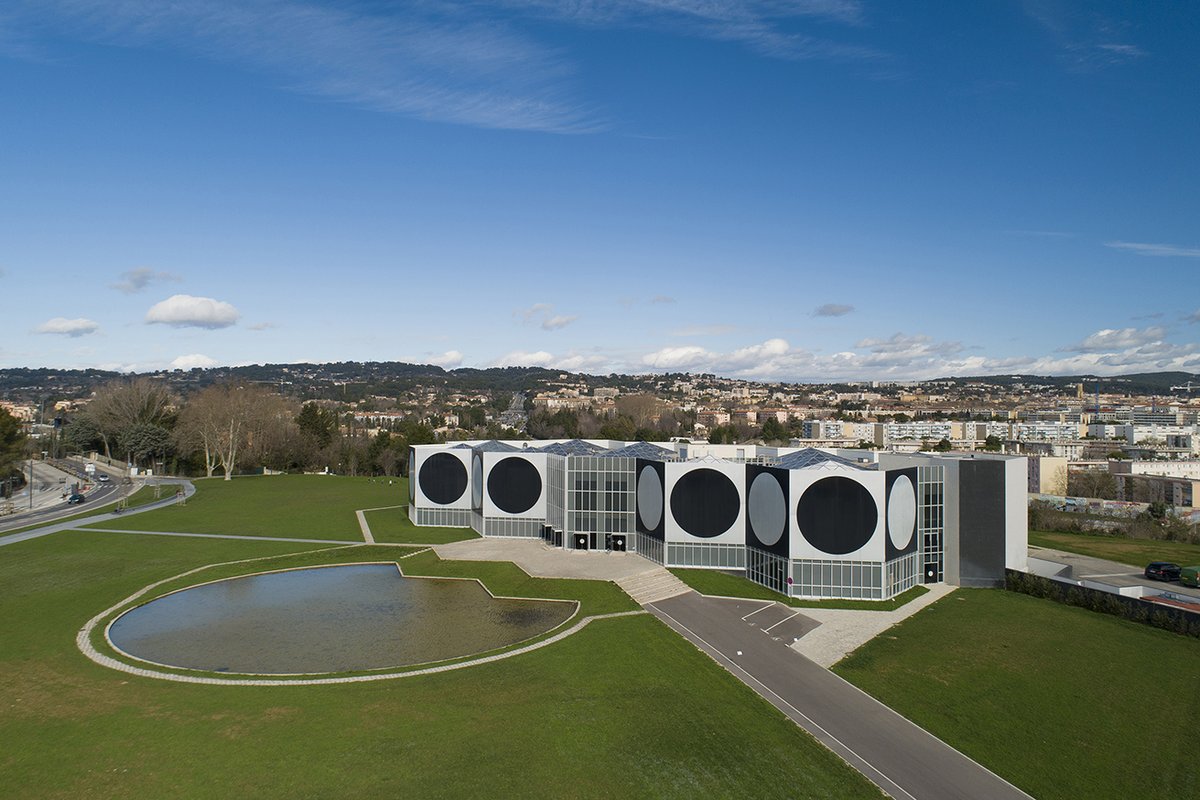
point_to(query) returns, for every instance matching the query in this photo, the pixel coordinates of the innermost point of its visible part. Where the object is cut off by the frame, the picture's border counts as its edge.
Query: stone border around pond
(84, 641)
(420, 664)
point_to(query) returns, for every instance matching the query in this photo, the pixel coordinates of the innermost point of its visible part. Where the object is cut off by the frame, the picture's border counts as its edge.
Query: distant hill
(1136, 383)
(354, 380)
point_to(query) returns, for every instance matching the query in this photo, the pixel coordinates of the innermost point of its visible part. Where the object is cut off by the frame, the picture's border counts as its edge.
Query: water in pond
(328, 619)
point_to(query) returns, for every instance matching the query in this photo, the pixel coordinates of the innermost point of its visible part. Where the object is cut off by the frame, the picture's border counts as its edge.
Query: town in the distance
(1130, 438)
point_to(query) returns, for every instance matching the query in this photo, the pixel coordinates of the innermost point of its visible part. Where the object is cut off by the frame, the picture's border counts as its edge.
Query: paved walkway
(901, 758)
(46, 530)
(841, 632)
(542, 561)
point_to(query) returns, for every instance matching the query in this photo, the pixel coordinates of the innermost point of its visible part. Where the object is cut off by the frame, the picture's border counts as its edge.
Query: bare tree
(229, 421)
(119, 405)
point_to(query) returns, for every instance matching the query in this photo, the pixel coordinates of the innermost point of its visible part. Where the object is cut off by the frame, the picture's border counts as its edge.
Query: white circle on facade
(768, 509)
(901, 512)
(649, 498)
(477, 482)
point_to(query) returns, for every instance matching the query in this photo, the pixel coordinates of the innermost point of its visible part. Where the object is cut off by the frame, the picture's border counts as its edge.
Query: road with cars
(53, 481)
(1110, 572)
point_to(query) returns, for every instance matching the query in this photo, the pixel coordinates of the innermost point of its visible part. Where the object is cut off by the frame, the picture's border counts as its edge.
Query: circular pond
(327, 619)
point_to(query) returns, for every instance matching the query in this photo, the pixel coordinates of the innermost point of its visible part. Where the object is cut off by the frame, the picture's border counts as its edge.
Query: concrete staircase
(652, 586)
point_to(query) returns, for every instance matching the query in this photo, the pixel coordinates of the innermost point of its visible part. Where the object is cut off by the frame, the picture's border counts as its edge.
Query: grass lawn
(1062, 702)
(722, 584)
(623, 709)
(143, 496)
(300, 506)
(393, 525)
(1134, 552)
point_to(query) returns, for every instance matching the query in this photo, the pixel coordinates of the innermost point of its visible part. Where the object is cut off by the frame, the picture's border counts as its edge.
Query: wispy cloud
(832, 310)
(1160, 250)
(261, 326)
(186, 311)
(1110, 340)
(135, 280)
(1194, 316)
(444, 62)
(543, 314)
(757, 24)
(61, 326)
(1086, 40)
(662, 299)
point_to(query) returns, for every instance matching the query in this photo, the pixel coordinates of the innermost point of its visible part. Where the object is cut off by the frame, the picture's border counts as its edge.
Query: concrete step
(652, 586)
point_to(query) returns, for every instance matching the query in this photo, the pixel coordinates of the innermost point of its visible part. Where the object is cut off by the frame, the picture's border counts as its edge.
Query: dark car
(77, 498)
(1162, 571)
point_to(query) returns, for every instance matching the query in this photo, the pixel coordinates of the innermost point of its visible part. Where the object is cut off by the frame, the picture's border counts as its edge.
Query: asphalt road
(901, 758)
(1110, 572)
(102, 494)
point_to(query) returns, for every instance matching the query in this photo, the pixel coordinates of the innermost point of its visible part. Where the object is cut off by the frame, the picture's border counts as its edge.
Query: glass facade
(649, 547)
(706, 554)
(514, 527)
(556, 482)
(442, 517)
(767, 569)
(931, 520)
(857, 580)
(600, 494)
(902, 574)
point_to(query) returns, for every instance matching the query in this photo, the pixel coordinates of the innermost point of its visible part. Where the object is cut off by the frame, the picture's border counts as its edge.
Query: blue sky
(780, 189)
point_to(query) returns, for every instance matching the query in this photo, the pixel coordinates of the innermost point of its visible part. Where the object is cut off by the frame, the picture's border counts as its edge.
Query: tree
(12, 440)
(318, 424)
(773, 430)
(144, 441)
(943, 446)
(230, 421)
(992, 442)
(119, 405)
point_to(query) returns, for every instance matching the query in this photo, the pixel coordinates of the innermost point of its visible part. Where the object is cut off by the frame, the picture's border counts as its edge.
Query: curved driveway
(53, 527)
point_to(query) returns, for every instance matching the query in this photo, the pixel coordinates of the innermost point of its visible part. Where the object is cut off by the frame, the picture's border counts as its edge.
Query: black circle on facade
(705, 503)
(837, 515)
(443, 478)
(514, 485)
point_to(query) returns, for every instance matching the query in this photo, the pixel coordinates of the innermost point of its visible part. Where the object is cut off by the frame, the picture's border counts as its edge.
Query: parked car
(1190, 576)
(75, 499)
(1162, 571)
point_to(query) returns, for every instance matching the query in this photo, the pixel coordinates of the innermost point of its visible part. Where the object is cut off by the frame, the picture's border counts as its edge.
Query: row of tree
(230, 426)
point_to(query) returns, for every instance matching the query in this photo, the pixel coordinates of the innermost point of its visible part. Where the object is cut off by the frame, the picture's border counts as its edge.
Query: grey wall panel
(981, 523)
(768, 509)
(901, 498)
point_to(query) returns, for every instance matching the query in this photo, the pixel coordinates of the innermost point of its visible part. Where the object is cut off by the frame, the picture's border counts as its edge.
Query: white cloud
(557, 321)
(832, 310)
(662, 299)
(1158, 250)
(543, 314)
(1110, 340)
(447, 360)
(520, 358)
(261, 326)
(68, 327)
(193, 361)
(184, 310)
(135, 280)
(1194, 316)
(678, 358)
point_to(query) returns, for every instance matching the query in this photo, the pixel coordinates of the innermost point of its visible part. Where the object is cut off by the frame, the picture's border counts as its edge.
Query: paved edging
(83, 640)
